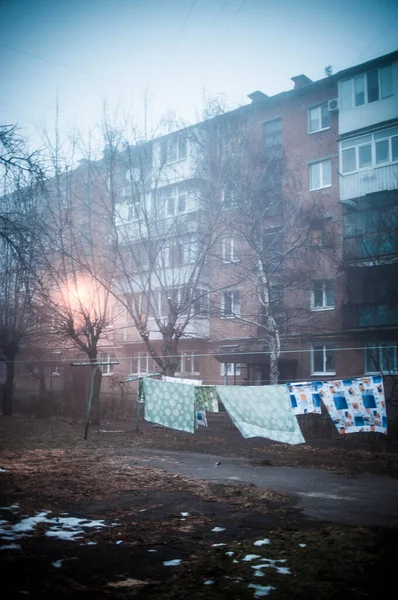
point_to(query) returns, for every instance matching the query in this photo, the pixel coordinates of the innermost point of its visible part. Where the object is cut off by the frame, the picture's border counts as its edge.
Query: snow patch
(261, 542)
(218, 529)
(172, 563)
(261, 590)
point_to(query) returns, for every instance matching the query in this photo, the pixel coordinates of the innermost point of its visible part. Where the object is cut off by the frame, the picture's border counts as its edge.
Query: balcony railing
(371, 247)
(358, 316)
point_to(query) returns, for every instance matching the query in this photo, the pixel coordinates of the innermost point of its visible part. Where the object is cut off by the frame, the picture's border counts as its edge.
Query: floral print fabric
(305, 397)
(356, 405)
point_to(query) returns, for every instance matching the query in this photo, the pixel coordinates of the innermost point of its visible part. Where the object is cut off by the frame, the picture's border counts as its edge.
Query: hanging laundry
(201, 418)
(305, 397)
(169, 404)
(262, 411)
(181, 380)
(356, 404)
(206, 398)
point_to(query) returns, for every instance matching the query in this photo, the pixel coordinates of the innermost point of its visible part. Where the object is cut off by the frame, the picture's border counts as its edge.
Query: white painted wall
(372, 113)
(368, 181)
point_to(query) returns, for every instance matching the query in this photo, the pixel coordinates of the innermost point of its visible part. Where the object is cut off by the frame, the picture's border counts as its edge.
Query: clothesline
(354, 405)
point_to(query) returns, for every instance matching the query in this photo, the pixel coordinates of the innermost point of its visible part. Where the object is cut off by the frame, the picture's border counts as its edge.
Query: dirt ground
(77, 522)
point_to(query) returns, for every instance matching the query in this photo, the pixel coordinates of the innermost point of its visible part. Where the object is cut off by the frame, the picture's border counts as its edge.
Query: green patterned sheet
(169, 404)
(262, 411)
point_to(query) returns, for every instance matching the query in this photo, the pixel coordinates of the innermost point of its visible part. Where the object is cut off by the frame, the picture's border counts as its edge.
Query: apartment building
(338, 137)
(330, 150)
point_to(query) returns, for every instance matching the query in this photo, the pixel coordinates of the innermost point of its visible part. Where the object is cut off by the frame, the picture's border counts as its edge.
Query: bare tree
(163, 229)
(270, 227)
(21, 175)
(17, 323)
(78, 304)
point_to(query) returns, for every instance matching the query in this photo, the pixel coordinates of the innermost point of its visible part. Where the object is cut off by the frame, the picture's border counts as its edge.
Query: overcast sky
(172, 51)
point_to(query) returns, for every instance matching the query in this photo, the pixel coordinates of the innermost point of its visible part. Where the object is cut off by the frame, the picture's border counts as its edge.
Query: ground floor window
(188, 364)
(322, 359)
(230, 369)
(109, 368)
(381, 357)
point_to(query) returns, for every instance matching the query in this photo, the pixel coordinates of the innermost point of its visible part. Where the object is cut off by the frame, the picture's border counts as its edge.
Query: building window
(321, 236)
(366, 88)
(134, 211)
(200, 302)
(381, 357)
(230, 369)
(230, 250)
(229, 198)
(107, 369)
(174, 201)
(174, 149)
(371, 150)
(231, 303)
(322, 295)
(320, 175)
(318, 118)
(142, 363)
(187, 364)
(322, 359)
(180, 252)
(272, 131)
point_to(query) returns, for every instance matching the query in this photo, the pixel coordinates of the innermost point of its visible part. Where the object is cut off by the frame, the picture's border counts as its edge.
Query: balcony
(378, 248)
(355, 185)
(361, 316)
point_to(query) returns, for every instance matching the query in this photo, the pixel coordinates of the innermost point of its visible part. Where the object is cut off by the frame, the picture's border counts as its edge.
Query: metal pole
(90, 399)
(139, 395)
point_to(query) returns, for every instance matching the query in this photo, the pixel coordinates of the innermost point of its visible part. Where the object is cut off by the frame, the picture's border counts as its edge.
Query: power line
(108, 349)
(382, 32)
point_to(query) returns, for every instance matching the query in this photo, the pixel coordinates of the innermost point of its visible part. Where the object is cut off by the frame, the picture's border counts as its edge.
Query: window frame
(318, 108)
(372, 346)
(141, 358)
(272, 142)
(324, 283)
(234, 313)
(230, 250)
(372, 142)
(325, 348)
(184, 355)
(230, 369)
(180, 142)
(107, 370)
(322, 185)
(364, 75)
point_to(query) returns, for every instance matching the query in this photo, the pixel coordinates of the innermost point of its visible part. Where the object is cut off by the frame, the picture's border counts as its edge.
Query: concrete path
(366, 500)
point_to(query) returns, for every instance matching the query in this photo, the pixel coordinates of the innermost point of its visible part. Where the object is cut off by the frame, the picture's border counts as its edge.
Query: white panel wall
(367, 182)
(370, 114)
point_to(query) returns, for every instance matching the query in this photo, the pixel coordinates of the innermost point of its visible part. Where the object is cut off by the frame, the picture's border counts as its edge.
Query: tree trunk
(169, 351)
(273, 367)
(274, 349)
(95, 405)
(170, 370)
(8, 390)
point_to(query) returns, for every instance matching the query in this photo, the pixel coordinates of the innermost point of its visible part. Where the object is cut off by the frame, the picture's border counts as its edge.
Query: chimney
(256, 96)
(300, 81)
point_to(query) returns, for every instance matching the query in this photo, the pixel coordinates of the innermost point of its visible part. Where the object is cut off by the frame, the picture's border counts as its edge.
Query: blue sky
(172, 51)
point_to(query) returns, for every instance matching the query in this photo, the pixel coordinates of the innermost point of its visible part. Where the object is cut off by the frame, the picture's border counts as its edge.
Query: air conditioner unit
(333, 105)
